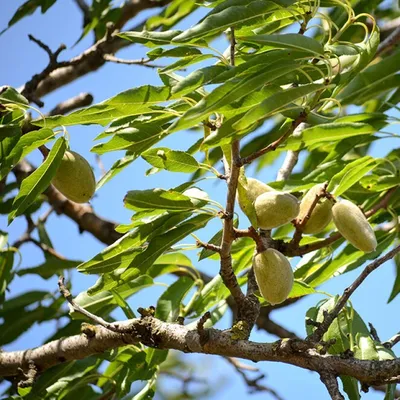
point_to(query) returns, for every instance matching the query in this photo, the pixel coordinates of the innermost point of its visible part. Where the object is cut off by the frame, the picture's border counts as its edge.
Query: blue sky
(21, 59)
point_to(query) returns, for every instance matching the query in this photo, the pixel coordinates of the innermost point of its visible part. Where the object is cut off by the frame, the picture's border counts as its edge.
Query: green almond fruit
(352, 224)
(274, 275)
(74, 178)
(253, 189)
(275, 208)
(321, 215)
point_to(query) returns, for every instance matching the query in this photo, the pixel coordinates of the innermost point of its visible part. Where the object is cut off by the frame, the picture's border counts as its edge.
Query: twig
(274, 145)
(291, 157)
(81, 100)
(100, 164)
(252, 233)
(85, 11)
(66, 293)
(392, 341)
(208, 246)
(253, 384)
(330, 381)
(46, 248)
(29, 376)
(300, 224)
(143, 61)
(31, 86)
(329, 317)
(373, 332)
(389, 42)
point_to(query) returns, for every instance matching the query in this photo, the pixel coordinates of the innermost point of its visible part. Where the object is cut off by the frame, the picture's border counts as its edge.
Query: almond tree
(311, 79)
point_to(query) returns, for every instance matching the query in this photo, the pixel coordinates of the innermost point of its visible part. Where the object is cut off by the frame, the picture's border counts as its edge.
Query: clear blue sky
(20, 60)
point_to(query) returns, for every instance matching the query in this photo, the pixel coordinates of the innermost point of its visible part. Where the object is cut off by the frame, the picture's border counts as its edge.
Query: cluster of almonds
(74, 178)
(273, 208)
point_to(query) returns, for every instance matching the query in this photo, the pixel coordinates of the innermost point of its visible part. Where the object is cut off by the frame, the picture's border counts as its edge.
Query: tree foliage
(315, 80)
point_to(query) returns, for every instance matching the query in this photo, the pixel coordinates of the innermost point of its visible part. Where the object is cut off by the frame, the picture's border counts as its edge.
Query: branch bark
(157, 334)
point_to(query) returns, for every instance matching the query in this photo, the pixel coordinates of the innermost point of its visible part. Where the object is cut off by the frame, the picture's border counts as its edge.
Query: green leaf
(18, 303)
(143, 261)
(228, 13)
(276, 103)
(351, 174)
(6, 264)
(28, 8)
(116, 168)
(121, 253)
(196, 79)
(169, 304)
(233, 90)
(37, 182)
(350, 386)
(52, 266)
(365, 349)
(150, 38)
(26, 144)
(348, 259)
(370, 80)
(159, 244)
(130, 102)
(160, 199)
(171, 160)
(327, 133)
(105, 301)
(288, 41)
(300, 289)
(10, 95)
(396, 285)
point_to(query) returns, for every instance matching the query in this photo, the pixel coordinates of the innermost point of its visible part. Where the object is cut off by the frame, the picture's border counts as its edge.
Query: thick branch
(162, 335)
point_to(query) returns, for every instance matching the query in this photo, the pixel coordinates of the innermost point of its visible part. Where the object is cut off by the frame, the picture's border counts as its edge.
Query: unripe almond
(254, 188)
(274, 209)
(74, 178)
(274, 275)
(352, 224)
(322, 213)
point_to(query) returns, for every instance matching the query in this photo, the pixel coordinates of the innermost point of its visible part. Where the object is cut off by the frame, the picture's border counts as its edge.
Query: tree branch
(157, 334)
(329, 317)
(291, 157)
(274, 145)
(81, 100)
(331, 384)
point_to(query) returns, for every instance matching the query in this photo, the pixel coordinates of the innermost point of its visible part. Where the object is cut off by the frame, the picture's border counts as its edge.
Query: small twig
(331, 384)
(389, 42)
(31, 86)
(274, 145)
(253, 384)
(66, 293)
(291, 157)
(208, 246)
(99, 161)
(252, 233)
(329, 317)
(392, 341)
(46, 248)
(81, 100)
(373, 332)
(143, 61)
(300, 224)
(85, 11)
(29, 377)
(382, 203)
